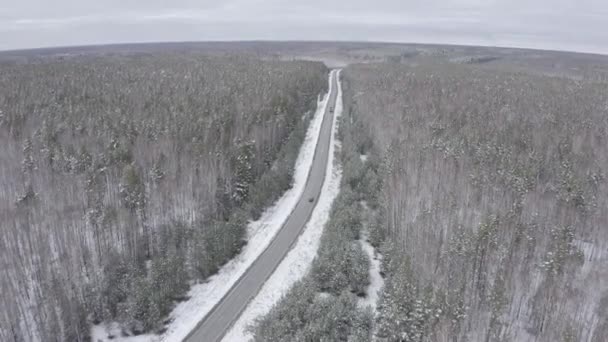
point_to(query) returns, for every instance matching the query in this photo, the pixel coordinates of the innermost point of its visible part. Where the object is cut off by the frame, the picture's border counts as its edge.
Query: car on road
(331, 109)
(311, 199)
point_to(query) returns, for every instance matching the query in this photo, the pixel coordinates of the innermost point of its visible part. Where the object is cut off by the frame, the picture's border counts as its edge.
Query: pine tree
(28, 165)
(358, 270)
(132, 188)
(84, 160)
(157, 173)
(28, 197)
(244, 173)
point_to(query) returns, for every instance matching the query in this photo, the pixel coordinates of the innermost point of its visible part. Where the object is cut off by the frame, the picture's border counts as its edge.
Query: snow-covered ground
(376, 280)
(375, 259)
(202, 297)
(297, 262)
(112, 332)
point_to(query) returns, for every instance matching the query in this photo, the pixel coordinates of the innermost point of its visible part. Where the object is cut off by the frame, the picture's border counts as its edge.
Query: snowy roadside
(297, 262)
(202, 297)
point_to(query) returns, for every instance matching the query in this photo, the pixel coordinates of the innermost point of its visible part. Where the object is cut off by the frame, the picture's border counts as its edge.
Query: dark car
(311, 199)
(331, 109)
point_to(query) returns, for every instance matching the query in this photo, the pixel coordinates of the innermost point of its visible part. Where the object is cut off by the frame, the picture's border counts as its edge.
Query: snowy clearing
(202, 297)
(376, 280)
(297, 262)
(375, 260)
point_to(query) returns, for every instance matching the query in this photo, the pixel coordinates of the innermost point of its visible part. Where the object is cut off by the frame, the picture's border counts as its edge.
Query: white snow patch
(376, 280)
(102, 332)
(202, 297)
(297, 262)
(323, 295)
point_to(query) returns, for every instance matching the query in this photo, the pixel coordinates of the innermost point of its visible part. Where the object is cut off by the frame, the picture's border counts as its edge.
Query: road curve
(223, 315)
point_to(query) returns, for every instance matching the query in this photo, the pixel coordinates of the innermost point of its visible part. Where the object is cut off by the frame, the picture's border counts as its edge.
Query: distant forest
(124, 179)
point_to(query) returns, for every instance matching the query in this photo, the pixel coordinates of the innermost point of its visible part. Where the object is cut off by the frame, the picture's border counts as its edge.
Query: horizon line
(236, 41)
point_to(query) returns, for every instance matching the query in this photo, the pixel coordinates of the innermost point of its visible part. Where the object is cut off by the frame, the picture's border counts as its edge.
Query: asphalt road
(220, 319)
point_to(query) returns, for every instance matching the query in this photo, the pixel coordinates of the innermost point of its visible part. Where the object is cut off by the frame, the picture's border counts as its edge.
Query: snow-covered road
(297, 263)
(204, 297)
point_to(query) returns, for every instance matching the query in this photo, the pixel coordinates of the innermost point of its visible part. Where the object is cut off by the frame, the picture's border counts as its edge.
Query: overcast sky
(575, 25)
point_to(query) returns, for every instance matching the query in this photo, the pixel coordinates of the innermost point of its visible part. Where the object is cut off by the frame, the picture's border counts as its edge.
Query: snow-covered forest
(472, 199)
(484, 190)
(126, 178)
(493, 198)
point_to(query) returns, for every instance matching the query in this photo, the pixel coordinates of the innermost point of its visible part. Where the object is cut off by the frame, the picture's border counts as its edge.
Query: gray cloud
(550, 24)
